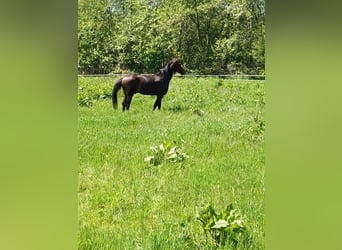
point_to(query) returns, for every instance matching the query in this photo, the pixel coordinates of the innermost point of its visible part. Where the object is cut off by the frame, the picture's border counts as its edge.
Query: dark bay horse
(157, 84)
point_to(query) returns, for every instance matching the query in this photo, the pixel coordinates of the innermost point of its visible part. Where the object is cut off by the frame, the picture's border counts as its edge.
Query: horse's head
(176, 67)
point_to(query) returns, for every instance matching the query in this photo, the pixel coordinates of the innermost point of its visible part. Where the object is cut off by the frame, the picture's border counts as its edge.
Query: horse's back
(154, 85)
(144, 84)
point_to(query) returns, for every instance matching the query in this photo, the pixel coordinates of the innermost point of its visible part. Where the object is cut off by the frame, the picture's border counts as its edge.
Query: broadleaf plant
(227, 226)
(168, 153)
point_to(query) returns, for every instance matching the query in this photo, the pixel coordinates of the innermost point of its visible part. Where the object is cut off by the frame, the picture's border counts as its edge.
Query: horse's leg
(124, 103)
(157, 102)
(129, 99)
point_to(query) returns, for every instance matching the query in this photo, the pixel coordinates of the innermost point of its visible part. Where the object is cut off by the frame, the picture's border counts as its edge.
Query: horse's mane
(163, 71)
(167, 67)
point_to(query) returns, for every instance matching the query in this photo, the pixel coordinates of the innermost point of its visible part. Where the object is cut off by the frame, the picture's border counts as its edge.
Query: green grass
(126, 203)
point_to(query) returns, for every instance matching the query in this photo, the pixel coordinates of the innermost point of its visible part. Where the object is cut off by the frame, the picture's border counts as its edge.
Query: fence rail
(250, 77)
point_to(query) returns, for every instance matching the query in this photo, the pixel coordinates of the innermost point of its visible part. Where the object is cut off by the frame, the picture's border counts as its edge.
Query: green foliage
(91, 90)
(211, 37)
(96, 27)
(225, 226)
(168, 153)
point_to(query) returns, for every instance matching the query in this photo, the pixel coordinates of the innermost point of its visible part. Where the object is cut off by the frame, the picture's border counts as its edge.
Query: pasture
(128, 203)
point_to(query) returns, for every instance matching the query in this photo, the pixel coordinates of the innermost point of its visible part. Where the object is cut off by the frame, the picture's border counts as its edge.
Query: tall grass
(126, 203)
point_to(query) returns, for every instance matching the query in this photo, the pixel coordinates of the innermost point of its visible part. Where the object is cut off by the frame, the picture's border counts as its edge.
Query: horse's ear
(179, 61)
(174, 61)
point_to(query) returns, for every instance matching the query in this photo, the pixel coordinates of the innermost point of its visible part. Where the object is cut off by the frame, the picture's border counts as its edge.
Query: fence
(249, 77)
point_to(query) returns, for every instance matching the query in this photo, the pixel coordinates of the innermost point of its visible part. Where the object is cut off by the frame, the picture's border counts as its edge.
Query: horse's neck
(167, 74)
(168, 77)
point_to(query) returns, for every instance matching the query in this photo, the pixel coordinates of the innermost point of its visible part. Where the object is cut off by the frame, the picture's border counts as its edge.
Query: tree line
(209, 36)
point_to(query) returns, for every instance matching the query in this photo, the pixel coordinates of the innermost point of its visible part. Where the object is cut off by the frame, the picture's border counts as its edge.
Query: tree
(211, 37)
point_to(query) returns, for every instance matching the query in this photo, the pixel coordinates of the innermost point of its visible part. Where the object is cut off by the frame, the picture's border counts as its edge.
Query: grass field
(127, 203)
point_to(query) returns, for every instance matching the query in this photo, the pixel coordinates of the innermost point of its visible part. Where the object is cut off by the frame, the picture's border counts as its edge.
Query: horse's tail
(116, 88)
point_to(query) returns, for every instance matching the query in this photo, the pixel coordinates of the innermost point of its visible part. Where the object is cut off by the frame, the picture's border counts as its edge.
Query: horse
(157, 84)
